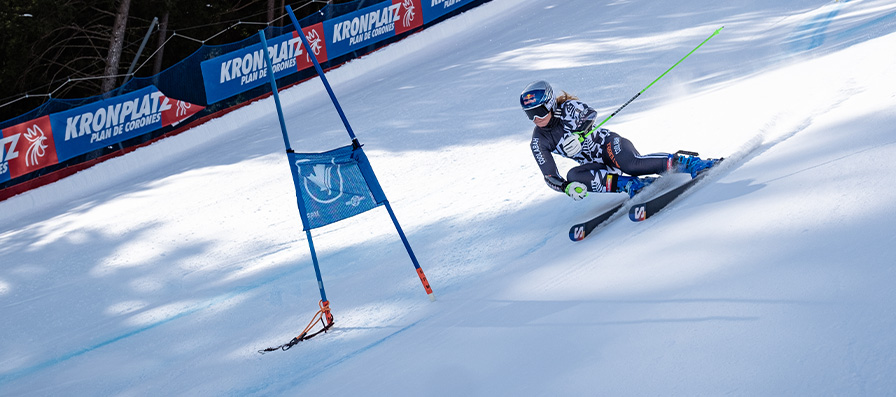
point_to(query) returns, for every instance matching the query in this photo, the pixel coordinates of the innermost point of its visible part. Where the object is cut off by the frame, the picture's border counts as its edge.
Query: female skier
(603, 156)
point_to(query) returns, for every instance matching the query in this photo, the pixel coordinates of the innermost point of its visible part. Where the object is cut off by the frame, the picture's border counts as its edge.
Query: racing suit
(603, 153)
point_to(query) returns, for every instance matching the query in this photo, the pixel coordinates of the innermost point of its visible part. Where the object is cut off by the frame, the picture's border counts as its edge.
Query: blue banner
(356, 30)
(241, 70)
(109, 121)
(334, 185)
(433, 9)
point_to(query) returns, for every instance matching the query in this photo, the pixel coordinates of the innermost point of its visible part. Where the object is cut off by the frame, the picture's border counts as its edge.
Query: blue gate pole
(293, 169)
(357, 145)
(320, 72)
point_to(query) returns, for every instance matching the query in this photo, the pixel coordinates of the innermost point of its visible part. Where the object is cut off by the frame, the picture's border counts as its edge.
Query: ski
(580, 231)
(640, 212)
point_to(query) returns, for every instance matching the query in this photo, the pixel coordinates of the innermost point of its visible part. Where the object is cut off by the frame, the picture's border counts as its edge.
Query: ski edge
(640, 212)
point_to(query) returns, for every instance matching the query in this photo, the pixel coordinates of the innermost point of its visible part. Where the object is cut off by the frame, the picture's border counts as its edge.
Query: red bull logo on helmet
(528, 99)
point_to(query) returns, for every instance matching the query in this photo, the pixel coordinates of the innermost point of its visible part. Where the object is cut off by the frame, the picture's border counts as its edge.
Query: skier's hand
(570, 144)
(576, 190)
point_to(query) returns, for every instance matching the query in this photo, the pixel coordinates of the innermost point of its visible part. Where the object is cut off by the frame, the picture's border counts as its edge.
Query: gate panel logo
(322, 182)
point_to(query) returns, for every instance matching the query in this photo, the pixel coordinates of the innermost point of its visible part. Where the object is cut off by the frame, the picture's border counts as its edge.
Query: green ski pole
(583, 136)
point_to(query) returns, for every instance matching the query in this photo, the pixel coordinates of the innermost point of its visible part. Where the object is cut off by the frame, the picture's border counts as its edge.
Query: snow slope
(162, 272)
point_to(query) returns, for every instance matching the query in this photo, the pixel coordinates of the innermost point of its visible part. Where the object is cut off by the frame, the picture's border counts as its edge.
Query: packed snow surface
(164, 271)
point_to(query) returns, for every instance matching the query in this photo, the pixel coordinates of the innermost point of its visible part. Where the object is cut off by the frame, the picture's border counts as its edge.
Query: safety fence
(63, 136)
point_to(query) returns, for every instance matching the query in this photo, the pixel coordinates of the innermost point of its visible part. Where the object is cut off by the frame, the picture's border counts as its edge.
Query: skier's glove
(576, 190)
(570, 144)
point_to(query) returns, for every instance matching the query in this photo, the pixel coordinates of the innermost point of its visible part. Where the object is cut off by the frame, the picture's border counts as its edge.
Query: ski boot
(632, 184)
(688, 162)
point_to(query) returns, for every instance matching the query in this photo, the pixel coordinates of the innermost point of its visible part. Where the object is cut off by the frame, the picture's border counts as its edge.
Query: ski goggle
(539, 111)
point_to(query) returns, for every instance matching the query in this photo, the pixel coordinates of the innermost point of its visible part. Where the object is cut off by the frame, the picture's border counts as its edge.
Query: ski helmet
(537, 99)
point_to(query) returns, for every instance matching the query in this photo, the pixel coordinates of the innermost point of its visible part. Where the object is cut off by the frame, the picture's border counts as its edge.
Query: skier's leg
(600, 179)
(593, 175)
(621, 153)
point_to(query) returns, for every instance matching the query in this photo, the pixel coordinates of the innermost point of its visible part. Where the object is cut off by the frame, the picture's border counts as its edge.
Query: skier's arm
(542, 152)
(547, 165)
(577, 116)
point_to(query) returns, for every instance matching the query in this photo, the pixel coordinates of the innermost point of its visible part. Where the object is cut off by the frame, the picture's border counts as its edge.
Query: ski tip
(577, 233)
(637, 213)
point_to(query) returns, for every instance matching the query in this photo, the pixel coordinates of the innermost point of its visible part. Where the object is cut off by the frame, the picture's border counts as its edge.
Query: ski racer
(603, 156)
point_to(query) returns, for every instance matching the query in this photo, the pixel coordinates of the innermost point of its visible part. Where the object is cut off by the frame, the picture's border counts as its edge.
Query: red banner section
(411, 15)
(27, 147)
(315, 36)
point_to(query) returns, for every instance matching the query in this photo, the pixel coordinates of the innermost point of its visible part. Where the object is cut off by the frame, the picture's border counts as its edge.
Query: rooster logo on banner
(315, 41)
(182, 108)
(38, 147)
(409, 14)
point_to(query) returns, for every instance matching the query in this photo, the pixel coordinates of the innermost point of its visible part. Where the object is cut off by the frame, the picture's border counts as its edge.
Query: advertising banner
(26, 147)
(371, 24)
(109, 121)
(241, 70)
(238, 71)
(56, 137)
(315, 36)
(433, 9)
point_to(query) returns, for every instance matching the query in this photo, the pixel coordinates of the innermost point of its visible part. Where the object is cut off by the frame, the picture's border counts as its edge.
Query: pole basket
(323, 316)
